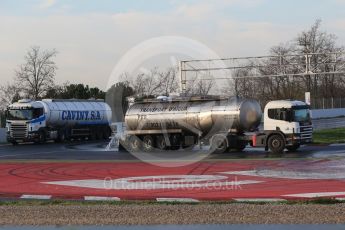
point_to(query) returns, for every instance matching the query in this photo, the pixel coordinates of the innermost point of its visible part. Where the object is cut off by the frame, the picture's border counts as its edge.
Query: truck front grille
(306, 132)
(18, 131)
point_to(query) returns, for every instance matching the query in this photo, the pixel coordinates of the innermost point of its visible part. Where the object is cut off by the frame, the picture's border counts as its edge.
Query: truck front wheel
(276, 144)
(41, 138)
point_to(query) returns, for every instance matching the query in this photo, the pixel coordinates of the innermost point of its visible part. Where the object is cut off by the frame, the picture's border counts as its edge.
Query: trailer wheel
(148, 143)
(218, 144)
(293, 148)
(99, 134)
(175, 142)
(134, 143)
(161, 143)
(106, 133)
(276, 144)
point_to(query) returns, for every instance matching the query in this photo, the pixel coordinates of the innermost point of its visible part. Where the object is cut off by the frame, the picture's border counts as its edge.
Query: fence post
(332, 103)
(323, 103)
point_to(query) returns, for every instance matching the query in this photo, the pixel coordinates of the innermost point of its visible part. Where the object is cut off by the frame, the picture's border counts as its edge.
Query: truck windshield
(301, 115)
(24, 114)
(20, 114)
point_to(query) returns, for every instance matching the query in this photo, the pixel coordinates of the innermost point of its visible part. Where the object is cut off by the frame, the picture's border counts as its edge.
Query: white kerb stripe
(38, 197)
(101, 198)
(177, 200)
(316, 194)
(340, 144)
(259, 199)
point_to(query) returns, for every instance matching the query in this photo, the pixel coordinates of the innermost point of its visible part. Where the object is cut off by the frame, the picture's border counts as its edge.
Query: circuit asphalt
(95, 151)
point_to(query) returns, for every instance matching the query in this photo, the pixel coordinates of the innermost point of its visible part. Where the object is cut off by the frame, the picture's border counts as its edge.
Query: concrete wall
(3, 135)
(323, 113)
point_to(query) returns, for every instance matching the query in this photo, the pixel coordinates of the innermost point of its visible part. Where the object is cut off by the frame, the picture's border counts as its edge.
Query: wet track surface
(95, 151)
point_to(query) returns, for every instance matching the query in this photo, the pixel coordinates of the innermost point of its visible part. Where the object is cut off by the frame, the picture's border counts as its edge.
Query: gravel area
(136, 214)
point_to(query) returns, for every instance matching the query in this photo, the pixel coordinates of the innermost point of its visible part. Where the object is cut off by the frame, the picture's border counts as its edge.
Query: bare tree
(198, 86)
(8, 94)
(36, 75)
(316, 41)
(169, 81)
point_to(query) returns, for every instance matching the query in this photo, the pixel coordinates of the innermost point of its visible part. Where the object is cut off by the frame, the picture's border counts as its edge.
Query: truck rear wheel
(276, 144)
(148, 143)
(61, 136)
(41, 137)
(218, 144)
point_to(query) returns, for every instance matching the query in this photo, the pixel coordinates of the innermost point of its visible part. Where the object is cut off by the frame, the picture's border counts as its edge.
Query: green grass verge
(328, 136)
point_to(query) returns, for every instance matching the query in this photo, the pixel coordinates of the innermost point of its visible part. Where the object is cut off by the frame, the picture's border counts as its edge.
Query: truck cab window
(279, 114)
(37, 112)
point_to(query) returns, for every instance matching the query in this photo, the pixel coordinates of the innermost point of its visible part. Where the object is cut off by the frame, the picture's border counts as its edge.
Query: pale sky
(92, 36)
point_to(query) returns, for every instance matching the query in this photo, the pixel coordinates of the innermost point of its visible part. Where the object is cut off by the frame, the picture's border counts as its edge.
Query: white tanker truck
(222, 123)
(51, 119)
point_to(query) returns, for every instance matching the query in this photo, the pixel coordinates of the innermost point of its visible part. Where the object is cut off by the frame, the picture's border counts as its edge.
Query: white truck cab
(290, 117)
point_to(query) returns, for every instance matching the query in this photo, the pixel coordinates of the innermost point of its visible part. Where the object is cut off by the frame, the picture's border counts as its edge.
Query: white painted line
(340, 198)
(101, 198)
(290, 174)
(259, 200)
(340, 144)
(38, 197)
(316, 194)
(182, 200)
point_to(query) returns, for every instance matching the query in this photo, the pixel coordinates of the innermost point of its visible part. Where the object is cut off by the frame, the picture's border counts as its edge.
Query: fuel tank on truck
(196, 115)
(76, 112)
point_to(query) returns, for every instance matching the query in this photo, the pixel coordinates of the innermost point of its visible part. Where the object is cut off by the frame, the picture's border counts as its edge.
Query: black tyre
(99, 134)
(218, 144)
(106, 133)
(61, 136)
(240, 146)
(276, 144)
(148, 143)
(161, 143)
(135, 144)
(41, 137)
(293, 148)
(175, 141)
(92, 135)
(14, 143)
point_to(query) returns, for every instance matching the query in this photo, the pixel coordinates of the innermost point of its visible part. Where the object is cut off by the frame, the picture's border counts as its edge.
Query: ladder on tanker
(117, 133)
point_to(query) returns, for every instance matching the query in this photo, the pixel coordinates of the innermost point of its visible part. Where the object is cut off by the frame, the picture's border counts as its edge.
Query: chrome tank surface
(196, 116)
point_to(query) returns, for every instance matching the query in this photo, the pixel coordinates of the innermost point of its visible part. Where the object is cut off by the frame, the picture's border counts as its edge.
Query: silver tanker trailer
(57, 120)
(222, 123)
